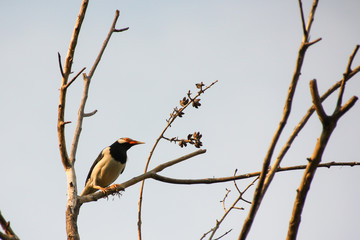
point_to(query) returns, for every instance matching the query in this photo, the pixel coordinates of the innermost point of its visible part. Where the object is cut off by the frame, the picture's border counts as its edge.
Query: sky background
(249, 46)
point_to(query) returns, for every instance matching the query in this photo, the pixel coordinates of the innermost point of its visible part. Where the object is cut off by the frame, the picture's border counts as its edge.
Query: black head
(118, 149)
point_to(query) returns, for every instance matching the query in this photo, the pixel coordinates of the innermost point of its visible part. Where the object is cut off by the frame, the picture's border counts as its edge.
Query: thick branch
(71, 223)
(306, 182)
(329, 124)
(65, 75)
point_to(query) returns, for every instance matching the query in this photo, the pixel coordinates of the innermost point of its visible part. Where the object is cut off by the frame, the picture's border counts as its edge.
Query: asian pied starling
(108, 166)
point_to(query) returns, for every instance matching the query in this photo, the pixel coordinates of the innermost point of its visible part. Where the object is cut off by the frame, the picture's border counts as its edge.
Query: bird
(108, 166)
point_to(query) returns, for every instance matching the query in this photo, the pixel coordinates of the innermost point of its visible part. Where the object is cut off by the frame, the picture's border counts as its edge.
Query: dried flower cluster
(194, 138)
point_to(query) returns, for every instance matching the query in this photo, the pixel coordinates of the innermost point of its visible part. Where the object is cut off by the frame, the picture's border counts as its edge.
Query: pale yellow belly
(107, 172)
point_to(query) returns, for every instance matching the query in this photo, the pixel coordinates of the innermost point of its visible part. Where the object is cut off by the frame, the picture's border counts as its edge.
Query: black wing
(93, 166)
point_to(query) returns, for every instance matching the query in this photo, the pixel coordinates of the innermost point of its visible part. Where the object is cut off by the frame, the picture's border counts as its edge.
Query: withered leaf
(196, 103)
(184, 101)
(200, 85)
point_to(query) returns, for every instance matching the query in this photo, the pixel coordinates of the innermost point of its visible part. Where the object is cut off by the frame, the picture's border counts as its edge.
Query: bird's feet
(104, 191)
(114, 186)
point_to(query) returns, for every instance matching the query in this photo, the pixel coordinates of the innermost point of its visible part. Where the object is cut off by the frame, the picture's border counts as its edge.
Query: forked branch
(258, 195)
(65, 73)
(346, 77)
(72, 208)
(329, 124)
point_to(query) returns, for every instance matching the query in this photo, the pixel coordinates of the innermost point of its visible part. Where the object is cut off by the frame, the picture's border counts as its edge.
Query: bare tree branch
(233, 206)
(347, 76)
(87, 80)
(302, 19)
(329, 124)
(73, 205)
(60, 65)
(65, 75)
(90, 113)
(74, 78)
(310, 22)
(258, 195)
(72, 208)
(246, 175)
(317, 102)
(351, 59)
(121, 30)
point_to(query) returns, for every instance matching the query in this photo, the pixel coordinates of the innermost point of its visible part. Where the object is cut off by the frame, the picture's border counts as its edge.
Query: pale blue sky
(249, 46)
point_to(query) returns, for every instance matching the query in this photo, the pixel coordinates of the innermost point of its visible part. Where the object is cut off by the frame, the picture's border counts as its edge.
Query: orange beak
(134, 142)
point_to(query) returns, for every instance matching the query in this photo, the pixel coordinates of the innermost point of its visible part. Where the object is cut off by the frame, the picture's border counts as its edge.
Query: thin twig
(73, 79)
(112, 30)
(169, 122)
(233, 206)
(60, 65)
(313, 42)
(317, 102)
(351, 59)
(236, 186)
(121, 30)
(346, 74)
(90, 113)
(87, 80)
(302, 19)
(223, 235)
(310, 21)
(225, 197)
(340, 97)
(346, 106)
